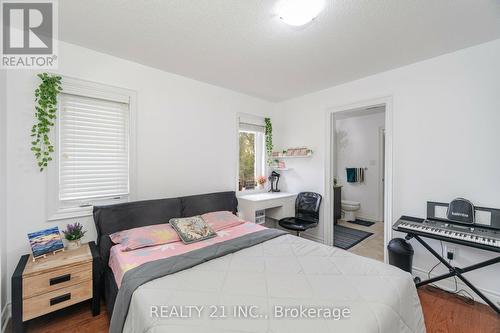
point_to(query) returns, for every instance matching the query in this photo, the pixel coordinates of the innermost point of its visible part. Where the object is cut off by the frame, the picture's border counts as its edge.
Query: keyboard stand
(455, 271)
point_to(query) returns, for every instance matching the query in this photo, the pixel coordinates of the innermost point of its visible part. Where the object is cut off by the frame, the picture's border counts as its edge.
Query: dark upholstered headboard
(113, 218)
(206, 203)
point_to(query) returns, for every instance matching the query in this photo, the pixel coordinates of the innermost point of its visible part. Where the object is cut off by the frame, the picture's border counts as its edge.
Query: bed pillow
(192, 229)
(150, 235)
(221, 220)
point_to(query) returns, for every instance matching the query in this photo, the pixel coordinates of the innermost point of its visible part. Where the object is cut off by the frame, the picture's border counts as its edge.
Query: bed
(247, 279)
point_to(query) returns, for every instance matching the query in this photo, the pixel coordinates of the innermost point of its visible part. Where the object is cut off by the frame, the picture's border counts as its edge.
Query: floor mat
(345, 237)
(362, 222)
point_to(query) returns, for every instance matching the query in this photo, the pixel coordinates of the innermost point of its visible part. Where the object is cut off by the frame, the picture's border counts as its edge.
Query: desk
(276, 205)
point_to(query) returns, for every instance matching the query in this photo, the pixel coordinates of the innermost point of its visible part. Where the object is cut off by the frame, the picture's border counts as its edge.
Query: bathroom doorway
(359, 214)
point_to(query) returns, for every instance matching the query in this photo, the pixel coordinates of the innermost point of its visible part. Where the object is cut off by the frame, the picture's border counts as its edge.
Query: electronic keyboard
(477, 227)
(470, 235)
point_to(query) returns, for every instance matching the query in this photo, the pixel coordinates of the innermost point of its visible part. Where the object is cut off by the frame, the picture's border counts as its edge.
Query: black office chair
(306, 213)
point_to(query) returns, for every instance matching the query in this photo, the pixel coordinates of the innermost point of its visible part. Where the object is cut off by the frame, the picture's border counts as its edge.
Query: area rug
(345, 237)
(362, 222)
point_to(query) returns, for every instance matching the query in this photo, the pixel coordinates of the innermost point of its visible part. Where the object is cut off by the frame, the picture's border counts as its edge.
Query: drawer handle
(60, 279)
(59, 299)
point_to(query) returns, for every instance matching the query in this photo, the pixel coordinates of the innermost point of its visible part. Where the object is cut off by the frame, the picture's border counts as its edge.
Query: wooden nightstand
(55, 282)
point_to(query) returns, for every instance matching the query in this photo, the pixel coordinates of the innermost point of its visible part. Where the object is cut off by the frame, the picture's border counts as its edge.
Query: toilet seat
(349, 209)
(350, 204)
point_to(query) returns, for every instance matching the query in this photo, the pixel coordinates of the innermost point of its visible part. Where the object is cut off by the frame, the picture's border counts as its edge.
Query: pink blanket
(120, 261)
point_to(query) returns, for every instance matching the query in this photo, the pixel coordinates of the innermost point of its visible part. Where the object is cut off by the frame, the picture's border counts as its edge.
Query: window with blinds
(93, 149)
(251, 152)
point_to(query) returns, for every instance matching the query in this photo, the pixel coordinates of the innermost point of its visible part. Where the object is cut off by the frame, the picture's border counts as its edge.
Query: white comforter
(250, 291)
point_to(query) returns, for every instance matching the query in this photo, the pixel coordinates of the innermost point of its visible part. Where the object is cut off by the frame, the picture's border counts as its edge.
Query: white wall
(446, 116)
(3, 222)
(186, 137)
(358, 145)
(446, 135)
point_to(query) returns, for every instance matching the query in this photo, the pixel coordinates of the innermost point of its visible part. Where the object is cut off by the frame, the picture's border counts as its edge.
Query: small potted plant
(73, 234)
(261, 180)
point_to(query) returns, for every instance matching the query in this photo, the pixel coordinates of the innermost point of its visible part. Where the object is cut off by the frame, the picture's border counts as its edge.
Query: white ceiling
(242, 45)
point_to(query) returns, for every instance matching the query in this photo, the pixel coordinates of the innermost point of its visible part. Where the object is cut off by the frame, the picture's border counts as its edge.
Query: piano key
(443, 231)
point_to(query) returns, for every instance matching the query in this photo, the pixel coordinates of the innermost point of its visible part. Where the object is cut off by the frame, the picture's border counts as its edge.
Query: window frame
(57, 209)
(261, 156)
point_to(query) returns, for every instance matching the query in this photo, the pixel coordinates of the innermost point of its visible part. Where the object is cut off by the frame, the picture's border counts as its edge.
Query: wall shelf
(280, 169)
(284, 157)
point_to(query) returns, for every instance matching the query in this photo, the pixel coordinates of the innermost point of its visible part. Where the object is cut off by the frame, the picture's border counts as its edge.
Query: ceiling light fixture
(300, 12)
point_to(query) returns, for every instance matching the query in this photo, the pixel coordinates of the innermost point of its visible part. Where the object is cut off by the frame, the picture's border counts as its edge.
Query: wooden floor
(76, 318)
(443, 313)
(447, 313)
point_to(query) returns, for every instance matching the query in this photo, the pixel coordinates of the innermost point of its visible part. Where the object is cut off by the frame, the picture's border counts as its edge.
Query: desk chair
(306, 213)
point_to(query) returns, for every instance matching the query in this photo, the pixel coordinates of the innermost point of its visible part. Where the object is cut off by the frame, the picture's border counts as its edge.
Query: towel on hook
(351, 175)
(361, 178)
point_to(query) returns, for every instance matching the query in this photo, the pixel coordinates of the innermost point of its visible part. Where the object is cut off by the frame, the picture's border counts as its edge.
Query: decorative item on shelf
(335, 181)
(45, 116)
(278, 164)
(45, 241)
(301, 151)
(73, 234)
(261, 180)
(293, 152)
(276, 155)
(269, 139)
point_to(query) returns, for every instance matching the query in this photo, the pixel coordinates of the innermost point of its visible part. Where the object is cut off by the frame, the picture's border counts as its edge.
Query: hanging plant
(269, 140)
(45, 115)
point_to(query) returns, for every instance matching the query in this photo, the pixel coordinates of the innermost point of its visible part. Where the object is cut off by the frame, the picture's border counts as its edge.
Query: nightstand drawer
(51, 281)
(42, 304)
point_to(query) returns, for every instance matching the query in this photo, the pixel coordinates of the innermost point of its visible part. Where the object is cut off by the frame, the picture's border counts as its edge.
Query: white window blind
(252, 128)
(93, 148)
(251, 123)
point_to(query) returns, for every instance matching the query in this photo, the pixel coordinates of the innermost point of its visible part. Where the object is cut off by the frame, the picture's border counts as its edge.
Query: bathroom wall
(358, 146)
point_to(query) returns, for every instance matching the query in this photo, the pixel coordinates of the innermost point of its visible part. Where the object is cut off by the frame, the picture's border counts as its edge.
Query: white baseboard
(369, 219)
(449, 285)
(5, 316)
(313, 238)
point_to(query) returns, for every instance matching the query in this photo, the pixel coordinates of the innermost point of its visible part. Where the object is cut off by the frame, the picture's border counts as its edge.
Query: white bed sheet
(286, 272)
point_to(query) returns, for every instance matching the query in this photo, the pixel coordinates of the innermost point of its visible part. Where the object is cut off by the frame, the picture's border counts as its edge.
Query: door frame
(331, 144)
(381, 166)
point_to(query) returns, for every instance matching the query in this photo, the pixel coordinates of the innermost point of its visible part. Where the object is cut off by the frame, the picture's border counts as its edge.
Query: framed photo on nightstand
(45, 241)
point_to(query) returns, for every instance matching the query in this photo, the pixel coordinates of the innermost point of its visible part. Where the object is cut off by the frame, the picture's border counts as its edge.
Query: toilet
(349, 208)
